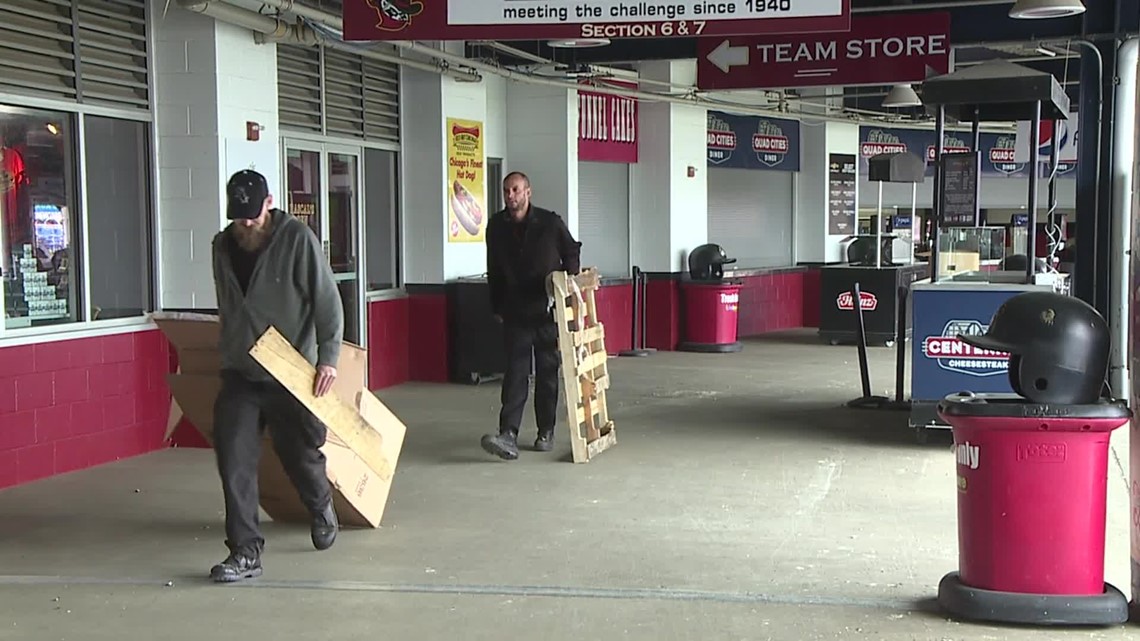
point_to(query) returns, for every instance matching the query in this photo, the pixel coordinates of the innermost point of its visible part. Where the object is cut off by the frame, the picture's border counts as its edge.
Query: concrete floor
(741, 502)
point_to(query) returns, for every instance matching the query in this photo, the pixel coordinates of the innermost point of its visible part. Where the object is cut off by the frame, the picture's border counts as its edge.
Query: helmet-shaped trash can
(1032, 470)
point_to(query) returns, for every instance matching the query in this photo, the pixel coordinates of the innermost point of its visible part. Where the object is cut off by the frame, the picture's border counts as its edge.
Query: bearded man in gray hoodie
(269, 269)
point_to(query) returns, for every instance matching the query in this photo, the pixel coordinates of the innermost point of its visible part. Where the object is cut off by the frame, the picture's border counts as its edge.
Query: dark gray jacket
(291, 288)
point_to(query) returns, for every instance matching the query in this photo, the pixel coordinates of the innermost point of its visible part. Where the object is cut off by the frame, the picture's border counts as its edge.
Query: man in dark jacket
(524, 245)
(269, 269)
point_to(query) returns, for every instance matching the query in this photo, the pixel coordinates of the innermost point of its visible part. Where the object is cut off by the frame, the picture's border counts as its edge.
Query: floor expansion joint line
(647, 594)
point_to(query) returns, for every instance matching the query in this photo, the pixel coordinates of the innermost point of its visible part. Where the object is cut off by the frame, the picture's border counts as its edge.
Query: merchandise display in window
(37, 209)
(33, 294)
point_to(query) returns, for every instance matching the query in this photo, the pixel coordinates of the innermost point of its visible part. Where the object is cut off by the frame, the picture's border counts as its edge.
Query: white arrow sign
(725, 56)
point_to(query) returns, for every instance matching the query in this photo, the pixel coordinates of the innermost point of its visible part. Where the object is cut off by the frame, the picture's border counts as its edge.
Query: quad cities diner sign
(566, 19)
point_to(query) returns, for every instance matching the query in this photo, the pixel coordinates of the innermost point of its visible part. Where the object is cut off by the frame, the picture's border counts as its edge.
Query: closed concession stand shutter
(603, 217)
(337, 93)
(86, 51)
(750, 215)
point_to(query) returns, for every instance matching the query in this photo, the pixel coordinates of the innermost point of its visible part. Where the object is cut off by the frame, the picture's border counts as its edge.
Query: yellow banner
(467, 202)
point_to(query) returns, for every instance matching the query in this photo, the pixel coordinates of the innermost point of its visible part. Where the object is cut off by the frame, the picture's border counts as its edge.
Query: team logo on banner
(769, 143)
(881, 142)
(1003, 156)
(954, 355)
(951, 145)
(721, 140)
(395, 15)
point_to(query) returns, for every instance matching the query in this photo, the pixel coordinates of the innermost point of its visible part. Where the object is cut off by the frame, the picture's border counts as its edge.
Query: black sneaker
(236, 567)
(324, 528)
(503, 445)
(544, 442)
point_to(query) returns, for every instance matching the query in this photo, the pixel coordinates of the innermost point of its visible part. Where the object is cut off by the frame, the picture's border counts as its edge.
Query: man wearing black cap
(269, 270)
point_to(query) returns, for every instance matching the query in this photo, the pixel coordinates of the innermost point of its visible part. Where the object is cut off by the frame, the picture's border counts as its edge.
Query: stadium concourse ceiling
(980, 31)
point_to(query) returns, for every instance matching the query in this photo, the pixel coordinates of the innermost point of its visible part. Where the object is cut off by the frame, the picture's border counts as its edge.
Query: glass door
(343, 238)
(303, 180)
(323, 190)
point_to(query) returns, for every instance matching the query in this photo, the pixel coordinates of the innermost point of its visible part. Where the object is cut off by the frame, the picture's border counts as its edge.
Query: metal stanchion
(637, 338)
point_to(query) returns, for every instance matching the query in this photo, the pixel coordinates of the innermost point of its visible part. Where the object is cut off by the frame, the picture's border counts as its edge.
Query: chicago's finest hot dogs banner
(753, 142)
(467, 203)
(998, 150)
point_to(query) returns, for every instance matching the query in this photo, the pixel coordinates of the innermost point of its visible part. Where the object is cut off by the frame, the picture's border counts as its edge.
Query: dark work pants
(241, 411)
(521, 342)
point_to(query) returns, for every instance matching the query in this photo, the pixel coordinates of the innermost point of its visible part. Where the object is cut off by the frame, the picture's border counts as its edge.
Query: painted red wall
(69, 405)
(662, 312)
(771, 303)
(389, 360)
(427, 333)
(615, 311)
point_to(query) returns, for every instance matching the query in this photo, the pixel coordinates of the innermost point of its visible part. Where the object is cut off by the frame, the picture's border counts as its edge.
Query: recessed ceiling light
(578, 43)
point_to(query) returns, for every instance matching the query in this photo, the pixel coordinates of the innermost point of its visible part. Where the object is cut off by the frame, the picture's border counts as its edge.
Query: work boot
(237, 566)
(503, 445)
(324, 528)
(545, 441)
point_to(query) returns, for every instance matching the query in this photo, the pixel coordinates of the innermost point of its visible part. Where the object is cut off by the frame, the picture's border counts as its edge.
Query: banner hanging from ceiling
(998, 150)
(753, 142)
(574, 19)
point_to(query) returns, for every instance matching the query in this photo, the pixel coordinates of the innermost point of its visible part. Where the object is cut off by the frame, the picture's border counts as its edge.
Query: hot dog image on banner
(466, 202)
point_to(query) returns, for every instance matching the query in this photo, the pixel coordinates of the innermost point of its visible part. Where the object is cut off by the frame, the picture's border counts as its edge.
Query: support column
(542, 142)
(815, 242)
(203, 105)
(668, 192)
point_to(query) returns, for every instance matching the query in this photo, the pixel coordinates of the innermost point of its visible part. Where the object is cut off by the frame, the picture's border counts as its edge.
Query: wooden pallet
(581, 341)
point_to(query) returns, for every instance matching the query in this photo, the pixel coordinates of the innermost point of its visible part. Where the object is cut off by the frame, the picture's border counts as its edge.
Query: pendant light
(902, 96)
(1042, 9)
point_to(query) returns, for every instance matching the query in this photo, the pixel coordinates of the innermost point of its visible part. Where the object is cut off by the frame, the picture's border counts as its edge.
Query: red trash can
(1032, 485)
(711, 316)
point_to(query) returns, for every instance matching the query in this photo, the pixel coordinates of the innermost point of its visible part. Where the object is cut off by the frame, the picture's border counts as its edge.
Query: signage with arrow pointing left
(878, 50)
(726, 56)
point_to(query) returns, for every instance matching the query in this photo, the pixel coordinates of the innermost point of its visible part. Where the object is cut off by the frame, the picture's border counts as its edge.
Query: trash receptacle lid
(969, 404)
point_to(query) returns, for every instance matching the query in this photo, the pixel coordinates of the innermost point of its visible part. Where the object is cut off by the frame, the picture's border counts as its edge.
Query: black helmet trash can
(1058, 347)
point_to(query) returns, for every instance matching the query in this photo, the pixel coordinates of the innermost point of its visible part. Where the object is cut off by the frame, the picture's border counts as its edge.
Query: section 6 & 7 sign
(566, 19)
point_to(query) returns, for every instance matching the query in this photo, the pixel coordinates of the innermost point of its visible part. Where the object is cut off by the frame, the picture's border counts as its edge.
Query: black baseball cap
(245, 194)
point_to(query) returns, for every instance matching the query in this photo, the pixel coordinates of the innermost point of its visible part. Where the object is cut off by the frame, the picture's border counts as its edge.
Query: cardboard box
(360, 494)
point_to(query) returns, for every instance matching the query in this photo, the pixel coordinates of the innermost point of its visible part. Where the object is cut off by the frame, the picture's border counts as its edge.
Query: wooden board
(344, 422)
(582, 344)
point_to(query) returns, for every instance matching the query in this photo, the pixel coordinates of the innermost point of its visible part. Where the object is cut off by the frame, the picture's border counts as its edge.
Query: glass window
(494, 189)
(304, 183)
(118, 214)
(381, 218)
(39, 242)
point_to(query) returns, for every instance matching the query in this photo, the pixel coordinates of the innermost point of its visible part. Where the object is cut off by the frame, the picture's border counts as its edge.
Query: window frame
(86, 327)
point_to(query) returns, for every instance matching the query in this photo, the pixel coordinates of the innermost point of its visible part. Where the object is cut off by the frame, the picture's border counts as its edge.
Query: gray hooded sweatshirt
(291, 288)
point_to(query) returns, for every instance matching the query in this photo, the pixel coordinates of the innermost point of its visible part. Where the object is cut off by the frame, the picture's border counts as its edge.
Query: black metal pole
(936, 218)
(644, 284)
(976, 145)
(900, 345)
(864, 374)
(1031, 241)
(636, 338)
(637, 304)
(1054, 158)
